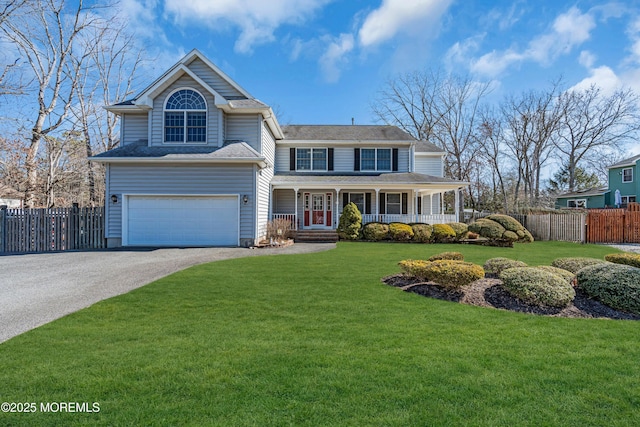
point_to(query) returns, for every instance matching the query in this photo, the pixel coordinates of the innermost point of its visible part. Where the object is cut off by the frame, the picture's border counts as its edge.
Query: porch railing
(292, 218)
(428, 219)
(407, 219)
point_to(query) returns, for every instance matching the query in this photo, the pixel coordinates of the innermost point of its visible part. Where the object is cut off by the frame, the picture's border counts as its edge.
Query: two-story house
(202, 162)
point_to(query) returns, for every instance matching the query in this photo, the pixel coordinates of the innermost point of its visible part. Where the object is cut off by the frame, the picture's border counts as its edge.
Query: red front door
(318, 209)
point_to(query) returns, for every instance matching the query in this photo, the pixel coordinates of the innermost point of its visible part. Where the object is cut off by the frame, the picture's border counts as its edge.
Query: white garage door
(181, 221)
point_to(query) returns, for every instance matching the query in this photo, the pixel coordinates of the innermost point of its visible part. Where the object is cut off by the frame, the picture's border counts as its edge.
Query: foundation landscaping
(317, 339)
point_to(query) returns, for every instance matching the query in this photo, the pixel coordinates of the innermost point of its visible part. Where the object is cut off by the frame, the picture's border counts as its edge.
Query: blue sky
(322, 61)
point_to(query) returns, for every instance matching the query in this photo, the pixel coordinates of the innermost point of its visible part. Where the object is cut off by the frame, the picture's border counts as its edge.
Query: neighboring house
(202, 162)
(622, 177)
(591, 198)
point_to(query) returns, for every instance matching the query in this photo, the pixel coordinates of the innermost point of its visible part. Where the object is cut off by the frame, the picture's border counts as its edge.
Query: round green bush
(454, 256)
(575, 264)
(615, 285)
(626, 258)
(375, 231)
(497, 265)
(509, 223)
(487, 228)
(421, 232)
(461, 229)
(565, 274)
(443, 233)
(350, 223)
(447, 273)
(400, 232)
(535, 286)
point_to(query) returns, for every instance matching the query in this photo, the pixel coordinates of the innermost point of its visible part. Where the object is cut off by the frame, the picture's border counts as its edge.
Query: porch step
(316, 236)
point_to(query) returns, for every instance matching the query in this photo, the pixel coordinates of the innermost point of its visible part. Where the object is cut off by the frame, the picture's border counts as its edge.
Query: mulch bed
(489, 293)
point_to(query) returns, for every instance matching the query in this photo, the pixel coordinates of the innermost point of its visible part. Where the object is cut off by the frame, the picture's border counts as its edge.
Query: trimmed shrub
(575, 264)
(501, 227)
(400, 232)
(565, 274)
(471, 235)
(443, 233)
(624, 258)
(535, 286)
(461, 229)
(497, 265)
(421, 232)
(487, 228)
(350, 223)
(615, 285)
(447, 273)
(454, 256)
(375, 231)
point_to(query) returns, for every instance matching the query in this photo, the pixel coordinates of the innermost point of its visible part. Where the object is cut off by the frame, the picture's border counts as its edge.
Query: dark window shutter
(356, 159)
(292, 159)
(394, 160)
(419, 205)
(345, 199)
(405, 203)
(330, 159)
(382, 202)
(367, 203)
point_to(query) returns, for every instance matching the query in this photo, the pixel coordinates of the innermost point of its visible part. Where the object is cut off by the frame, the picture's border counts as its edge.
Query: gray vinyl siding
(431, 204)
(343, 159)
(264, 181)
(177, 180)
(284, 201)
(428, 165)
(282, 159)
(403, 160)
(157, 114)
(245, 127)
(214, 80)
(135, 127)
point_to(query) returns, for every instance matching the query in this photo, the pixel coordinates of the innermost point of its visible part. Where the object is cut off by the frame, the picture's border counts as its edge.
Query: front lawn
(317, 339)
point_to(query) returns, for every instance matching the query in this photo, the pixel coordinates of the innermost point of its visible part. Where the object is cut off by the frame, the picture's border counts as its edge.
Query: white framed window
(185, 117)
(628, 199)
(577, 203)
(311, 159)
(375, 159)
(394, 203)
(627, 175)
(358, 200)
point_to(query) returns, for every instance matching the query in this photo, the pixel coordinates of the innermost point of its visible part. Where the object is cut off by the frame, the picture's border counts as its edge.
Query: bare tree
(594, 125)
(532, 121)
(46, 36)
(492, 136)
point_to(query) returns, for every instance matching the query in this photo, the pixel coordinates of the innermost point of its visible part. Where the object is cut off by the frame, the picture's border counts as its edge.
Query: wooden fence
(55, 229)
(613, 226)
(566, 227)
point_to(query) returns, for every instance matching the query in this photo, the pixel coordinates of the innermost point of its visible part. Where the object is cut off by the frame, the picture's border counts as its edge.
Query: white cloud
(334, 56)
(603, 77)
(569, 30)
(504, 19)
(587, 59)
(400, 16)
(256, 19)
(460, 52)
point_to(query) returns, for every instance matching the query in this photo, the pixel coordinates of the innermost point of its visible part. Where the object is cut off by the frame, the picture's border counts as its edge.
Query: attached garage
(171, 220)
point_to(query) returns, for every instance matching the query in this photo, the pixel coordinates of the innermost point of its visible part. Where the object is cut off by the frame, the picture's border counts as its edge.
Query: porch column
(335, 211)
(271, 199)
(295, 198)
(457, 210)
(377, 204)
(415, 206)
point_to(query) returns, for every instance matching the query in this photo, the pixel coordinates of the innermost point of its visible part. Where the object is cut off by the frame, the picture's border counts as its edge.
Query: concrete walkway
(38, 288)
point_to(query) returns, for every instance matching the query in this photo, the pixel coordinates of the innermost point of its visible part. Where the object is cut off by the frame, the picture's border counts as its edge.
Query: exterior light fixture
(245, 199)
(114, 198)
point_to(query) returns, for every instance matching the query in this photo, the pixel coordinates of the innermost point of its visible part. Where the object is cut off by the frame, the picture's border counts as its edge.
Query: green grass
(317, 339)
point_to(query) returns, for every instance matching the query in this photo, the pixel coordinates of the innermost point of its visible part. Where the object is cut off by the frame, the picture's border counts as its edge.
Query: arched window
(185, 117)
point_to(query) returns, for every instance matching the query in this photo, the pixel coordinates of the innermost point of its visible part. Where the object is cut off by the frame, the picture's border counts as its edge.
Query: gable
(215, 80)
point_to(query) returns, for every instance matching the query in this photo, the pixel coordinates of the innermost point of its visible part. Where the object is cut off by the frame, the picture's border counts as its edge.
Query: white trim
(260, 161)
(326, 156)
(125, 208)
(189, 57)
(624, 169)
(576, 201)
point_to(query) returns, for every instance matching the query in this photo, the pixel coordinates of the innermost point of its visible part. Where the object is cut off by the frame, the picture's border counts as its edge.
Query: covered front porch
(309, 205)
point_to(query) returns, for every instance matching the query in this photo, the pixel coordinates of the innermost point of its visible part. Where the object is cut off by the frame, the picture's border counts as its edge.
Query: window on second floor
(577, 203)
(311, 159)
(375, 159)
(185, 117)
(627, 175)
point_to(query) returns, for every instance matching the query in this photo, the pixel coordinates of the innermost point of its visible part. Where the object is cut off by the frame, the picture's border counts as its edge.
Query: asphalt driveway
(38, 288)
